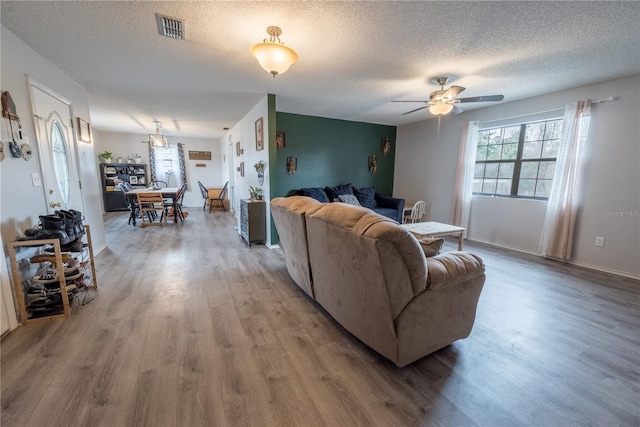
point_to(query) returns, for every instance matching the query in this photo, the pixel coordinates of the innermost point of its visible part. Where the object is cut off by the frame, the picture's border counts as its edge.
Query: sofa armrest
(451, 268)
(391, 203)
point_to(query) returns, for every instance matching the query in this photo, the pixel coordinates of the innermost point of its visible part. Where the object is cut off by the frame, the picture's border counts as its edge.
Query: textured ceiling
(355, 57)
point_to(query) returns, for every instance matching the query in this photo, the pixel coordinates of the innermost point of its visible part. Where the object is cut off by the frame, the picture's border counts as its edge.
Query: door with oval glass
(58, 161)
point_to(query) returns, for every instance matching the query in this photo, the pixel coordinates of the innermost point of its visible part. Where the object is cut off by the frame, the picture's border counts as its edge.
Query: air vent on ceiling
(170, 27)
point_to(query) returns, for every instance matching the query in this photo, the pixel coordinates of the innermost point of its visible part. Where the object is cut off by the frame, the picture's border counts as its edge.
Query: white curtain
(566, 193)
(463, 189)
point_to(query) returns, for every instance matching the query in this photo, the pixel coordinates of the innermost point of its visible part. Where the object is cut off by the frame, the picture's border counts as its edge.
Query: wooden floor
(190, 327)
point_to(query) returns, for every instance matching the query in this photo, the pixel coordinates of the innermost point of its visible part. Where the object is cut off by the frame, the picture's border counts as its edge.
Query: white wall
(426, 166)
(20, 202)
(126, 144)
(244, 132)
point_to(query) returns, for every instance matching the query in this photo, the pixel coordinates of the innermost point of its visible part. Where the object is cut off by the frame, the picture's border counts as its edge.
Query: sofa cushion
(387, 212)
(349, 199)
(317, 193)
(366, 196)
(334, 192)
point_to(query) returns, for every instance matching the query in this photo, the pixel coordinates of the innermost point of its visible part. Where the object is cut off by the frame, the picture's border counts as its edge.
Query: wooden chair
(150, 203)
(417, 212)
(219, 198)
(159, 184)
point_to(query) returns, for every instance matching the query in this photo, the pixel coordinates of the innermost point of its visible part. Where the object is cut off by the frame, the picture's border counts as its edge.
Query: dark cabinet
(253, 226)
(113, 173)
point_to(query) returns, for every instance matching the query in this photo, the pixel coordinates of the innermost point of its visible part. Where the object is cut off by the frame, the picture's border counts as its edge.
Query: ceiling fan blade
(452, 92)
(413, 111)
(486, 98)
(456, 110)
(411, 101)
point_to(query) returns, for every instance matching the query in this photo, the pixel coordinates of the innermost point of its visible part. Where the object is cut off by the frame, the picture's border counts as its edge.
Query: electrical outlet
(599, 241)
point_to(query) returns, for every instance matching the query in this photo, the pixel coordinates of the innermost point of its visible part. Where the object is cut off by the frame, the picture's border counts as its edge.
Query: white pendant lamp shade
(273, 55)
(440, 109)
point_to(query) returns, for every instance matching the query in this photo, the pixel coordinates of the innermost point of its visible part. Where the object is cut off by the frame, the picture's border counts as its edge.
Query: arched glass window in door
(60, 160)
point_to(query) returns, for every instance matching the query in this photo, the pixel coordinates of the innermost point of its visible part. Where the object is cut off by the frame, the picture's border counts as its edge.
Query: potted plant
(105, 157)
(255, 193)
(260, 169)
(136, 158)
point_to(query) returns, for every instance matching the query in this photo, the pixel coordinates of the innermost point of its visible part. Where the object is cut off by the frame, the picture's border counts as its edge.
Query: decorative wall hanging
(292, 165)
(280, 139)
(373, 164)
(238, 149)
(84, 131)
(1, 151)
(386, 145)
(260, 169)
(25, 151)
(259, 135)
(9, 111)
(242, 169)
(199, 155)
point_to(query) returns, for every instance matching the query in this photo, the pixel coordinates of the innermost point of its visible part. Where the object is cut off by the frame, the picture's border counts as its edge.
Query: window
(167, 165)
(517, 160)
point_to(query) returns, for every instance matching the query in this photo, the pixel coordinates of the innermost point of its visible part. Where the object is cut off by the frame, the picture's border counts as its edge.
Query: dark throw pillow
(316, 193)
(334, 192)
(349, 199)
(366, 196)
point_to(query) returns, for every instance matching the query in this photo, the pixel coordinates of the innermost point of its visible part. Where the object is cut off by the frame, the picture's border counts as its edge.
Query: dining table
(167, 193)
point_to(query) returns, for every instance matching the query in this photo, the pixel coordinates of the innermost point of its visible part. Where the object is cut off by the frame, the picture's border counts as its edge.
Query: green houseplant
(255, 193)
(105, 156)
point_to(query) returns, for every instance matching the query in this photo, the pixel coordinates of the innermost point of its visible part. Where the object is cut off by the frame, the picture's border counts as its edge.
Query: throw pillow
(334, 192)
(316, 192)
(431, 247)
(349, 199)
(366, 196)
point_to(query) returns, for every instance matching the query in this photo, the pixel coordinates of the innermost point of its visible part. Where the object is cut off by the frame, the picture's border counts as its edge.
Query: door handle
(54, 205)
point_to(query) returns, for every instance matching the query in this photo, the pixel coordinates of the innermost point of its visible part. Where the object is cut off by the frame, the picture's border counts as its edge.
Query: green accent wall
(329, 152)
(332, 152)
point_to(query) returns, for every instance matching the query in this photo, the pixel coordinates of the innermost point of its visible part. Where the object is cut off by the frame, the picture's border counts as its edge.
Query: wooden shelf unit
(113, 173)
(57, 258)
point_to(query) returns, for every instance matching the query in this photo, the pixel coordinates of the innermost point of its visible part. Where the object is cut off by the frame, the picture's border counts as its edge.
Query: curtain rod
(593, 101)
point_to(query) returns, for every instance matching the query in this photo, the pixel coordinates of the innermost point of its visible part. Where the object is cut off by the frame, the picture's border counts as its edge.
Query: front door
(52, 119)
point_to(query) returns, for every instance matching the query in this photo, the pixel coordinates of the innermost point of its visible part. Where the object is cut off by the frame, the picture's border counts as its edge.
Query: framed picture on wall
(259, 135)
(238, 148)
(84, 131)
(242, 169)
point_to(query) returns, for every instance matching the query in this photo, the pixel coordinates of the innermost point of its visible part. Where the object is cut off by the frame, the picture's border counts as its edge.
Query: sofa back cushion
(366, 196)
(334, 192)
(317, 193)
(289, 217)
(366, 269)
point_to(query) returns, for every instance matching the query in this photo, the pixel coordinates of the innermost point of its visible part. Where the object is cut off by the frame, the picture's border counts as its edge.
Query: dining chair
(131, 201)
(175, 209)
(205, 194)
(150, 203)
(159, 184)
(417, 212)
(219, 198)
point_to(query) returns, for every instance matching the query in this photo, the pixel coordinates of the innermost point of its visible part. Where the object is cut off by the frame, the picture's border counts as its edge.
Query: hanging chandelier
(273, 55)
(158, 140)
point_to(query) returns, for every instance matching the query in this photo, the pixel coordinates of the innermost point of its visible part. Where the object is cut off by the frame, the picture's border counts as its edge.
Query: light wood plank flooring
(190, 327)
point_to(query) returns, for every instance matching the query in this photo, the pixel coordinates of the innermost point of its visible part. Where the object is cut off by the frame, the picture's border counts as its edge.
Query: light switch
(35, 178)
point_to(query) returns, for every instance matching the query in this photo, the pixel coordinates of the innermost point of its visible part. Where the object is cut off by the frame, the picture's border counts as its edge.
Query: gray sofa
(372, 276)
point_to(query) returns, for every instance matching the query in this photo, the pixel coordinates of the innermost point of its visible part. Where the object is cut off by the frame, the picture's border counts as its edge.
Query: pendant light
(158, 140)
(273, 55)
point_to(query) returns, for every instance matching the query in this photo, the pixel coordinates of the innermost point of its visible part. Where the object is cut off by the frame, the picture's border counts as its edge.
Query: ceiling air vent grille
(171, 27)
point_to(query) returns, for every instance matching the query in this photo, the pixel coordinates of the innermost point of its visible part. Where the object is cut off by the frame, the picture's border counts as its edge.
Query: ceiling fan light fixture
(272, 55)
(157, 140)
(440, 109)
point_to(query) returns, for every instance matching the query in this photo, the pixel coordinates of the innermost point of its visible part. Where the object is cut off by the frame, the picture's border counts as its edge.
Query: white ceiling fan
(443, 101)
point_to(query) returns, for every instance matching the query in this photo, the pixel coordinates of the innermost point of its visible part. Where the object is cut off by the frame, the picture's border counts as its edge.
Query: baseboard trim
(577, 264)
